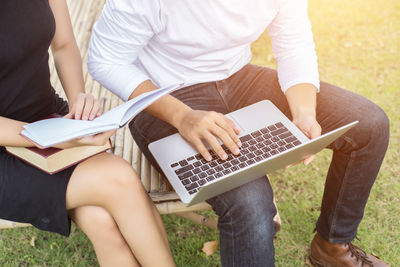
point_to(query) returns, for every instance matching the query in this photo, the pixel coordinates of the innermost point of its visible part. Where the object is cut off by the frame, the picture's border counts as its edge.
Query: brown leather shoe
(325, 254)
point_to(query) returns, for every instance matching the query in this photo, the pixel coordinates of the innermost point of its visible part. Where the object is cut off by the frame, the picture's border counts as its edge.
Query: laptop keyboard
(195, 171)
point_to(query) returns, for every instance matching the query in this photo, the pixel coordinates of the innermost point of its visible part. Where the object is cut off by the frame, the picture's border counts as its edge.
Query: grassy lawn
(358, 44)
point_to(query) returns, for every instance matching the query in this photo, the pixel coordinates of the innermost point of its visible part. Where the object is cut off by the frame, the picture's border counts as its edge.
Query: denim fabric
(246, 213)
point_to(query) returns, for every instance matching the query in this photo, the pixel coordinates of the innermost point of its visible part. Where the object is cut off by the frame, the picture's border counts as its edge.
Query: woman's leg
(111, 183)
(109, 244)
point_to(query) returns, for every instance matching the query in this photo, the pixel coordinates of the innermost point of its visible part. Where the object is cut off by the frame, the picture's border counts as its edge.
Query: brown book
(53, 160)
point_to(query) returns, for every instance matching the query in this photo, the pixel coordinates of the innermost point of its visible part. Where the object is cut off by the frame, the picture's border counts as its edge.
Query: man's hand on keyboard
(198, 126)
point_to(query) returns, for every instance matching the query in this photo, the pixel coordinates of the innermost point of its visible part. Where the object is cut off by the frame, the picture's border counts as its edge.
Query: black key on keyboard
(289, 146)
(235, 161)
(259, 158)
(209, 179)
(267, 136)
(227, 171)
(201, 182)
(264, 130)
(234, 168)
(197, 164)
(186, 182)
(278, 132)
(242, 158)
(173, 165)
(202, 175)
(227, 165)
(245, 138)
(218, 168)
(244, 151)
(290, 139)
(281, 143)
(185, 175)
(266, 149)
(258, 152)
(274, 152)
(296, 143)
(184, 169)
(279, 125)
(250, 161)
(212, 164)
(196, 171)
(250, 156)
(192, 191)
(194, 179)
(210, 172)
(242, 165)
(183, 163)
(285, 135)
(273, 146)
(256, 134)
(191, 186)
(266, 155)
(252, 142)
(204, 167)
(260, 145)
(218, 175)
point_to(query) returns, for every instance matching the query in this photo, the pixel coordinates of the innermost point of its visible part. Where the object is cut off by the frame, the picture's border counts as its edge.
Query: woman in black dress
(103, 195)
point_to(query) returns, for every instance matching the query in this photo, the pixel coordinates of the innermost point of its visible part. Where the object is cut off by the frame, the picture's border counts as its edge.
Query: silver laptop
(270, 141)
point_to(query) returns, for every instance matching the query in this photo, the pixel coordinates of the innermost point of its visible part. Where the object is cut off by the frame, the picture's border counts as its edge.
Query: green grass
(358, 45)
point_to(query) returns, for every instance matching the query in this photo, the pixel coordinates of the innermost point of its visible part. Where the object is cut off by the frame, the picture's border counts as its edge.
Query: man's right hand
(199, 127)
(196, 126)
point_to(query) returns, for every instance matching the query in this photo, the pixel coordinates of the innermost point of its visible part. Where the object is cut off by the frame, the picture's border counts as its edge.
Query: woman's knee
(118, 176)
(98, 225)
(101, 179)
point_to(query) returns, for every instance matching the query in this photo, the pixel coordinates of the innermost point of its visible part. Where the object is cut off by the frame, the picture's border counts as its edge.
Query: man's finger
(226, 138)
(198, 144)
(228, 125)
(215, 145)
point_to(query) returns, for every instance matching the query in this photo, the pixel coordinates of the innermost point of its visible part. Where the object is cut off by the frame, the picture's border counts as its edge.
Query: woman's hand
(197, 126)
(85, 107)
(92, 140)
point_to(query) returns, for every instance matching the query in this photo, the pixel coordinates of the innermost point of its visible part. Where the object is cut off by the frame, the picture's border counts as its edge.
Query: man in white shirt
(141, 45)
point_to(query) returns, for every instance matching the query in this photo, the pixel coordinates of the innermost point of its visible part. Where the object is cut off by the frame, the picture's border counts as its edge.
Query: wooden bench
(83, 15)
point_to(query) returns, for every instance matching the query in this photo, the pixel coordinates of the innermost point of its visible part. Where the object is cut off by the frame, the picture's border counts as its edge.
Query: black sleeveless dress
(26, 193)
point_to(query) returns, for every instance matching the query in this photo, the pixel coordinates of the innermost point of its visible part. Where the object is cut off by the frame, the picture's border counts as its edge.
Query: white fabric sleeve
(293, 45)
(123, 29)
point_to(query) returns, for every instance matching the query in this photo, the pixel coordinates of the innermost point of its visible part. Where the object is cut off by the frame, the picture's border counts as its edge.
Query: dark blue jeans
(246, 213)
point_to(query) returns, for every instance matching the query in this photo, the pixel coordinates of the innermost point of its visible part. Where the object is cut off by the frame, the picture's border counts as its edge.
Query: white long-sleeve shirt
(193, 41)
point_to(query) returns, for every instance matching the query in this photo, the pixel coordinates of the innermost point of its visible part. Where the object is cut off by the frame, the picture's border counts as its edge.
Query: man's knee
(252, 202)
(374, 128)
